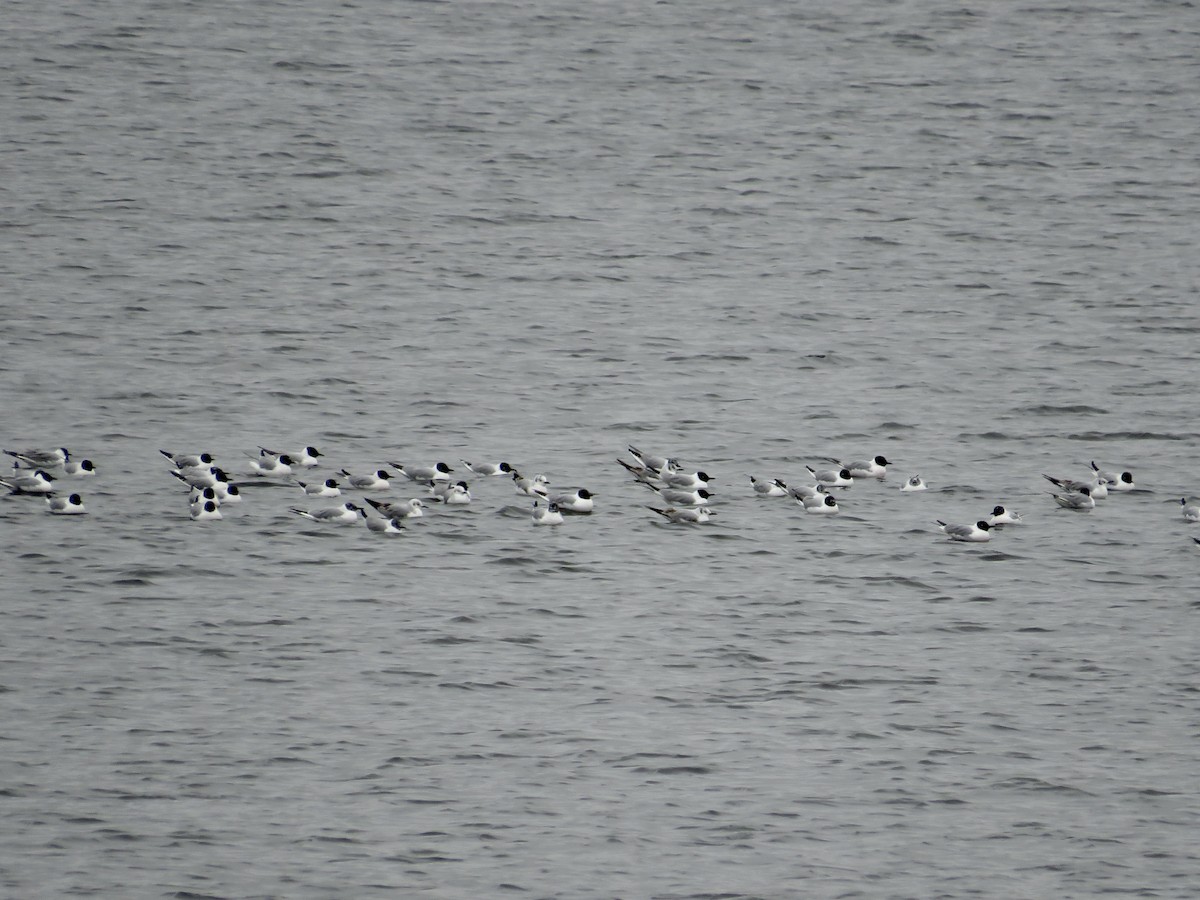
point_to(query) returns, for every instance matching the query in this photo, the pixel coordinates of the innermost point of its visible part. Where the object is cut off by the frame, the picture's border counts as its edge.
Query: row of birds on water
(684, 495)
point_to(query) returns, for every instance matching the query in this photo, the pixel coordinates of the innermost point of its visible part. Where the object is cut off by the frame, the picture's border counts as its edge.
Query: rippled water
(751, 235)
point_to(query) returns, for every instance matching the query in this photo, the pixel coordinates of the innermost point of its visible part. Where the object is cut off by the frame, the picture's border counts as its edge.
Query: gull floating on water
(681, 497)
(66, 506)
(975, 533)
(327, 488)
(772, 488)
(1096, 487)
(272, 466)
(1191, 511)
(37, 483)
(1002, 516)
(822, 504)
(546, 515)
(577, 501)
(863, 468)
(375, 481)
(188, 460)
(399, 509)
(1079, 499)
(916, 483)
(385, 526)
(306, 457)
(832, 477)
(346, 514)
(206, 513)
(41, 459)
(424, 474)
(537, 486)
(1114, 481)
(692, 516)
(487, 469)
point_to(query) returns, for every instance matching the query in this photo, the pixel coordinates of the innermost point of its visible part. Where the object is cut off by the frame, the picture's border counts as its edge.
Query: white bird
(81, 469)
(346, 514)
(457, 494)
(688, 480)
(832, 477)
(66, 506)
(375, 481)
(1096, 487)
(41, 459)
(398, 509)
(385, 526)
(1191, 512)
(199, 496)
(327, 488)
(306, 457)
(272, 466)
(546, 515)
(802, 492)
(1002, 516)
(977, 532)
(486, 469)
(772, 488)
(1080, 499)
(916, 483)
(189, 460)
(1114, 481)
(872, 468)
(693, 516)
(206, 513)
(201, 477)
(537, 486)
(424, 474)
(226, 492)
(824, 505)
(37, 483)
(681, 497)
(577, 501)
(652, 462)
(643, 474)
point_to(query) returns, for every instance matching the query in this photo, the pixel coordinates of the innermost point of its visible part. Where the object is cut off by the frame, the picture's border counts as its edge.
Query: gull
(547, 515)
(81, 469)
(272, 466)
(66, 506)
(188, 460)
(457, 494)
(385, 526)
(577, 501)
(695, 516)
(1114, 481)
(1080, 499)
(825, 505)
(346, 514)
(1096, 487)
(424, 474)
(1002, 516)
(206, 513)
(652, 462)
(1191, 512)
(531, 487)
(916, 483)
(802, 492)
(376, 481)
(681, 497)
(398, 509)
(832, 477)
(201, 478)
(772, 488)
(41, 459)
(644, 474)
(37, 483)
(977, 532)
(327, 488)
(689, 480)
(306, 457)
(500, 468)
(873, 468)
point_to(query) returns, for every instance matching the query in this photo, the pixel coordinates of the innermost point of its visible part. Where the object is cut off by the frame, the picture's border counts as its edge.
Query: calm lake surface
(751, 235)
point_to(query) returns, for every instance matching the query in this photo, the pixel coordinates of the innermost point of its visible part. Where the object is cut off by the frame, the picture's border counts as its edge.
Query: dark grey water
(752, 235)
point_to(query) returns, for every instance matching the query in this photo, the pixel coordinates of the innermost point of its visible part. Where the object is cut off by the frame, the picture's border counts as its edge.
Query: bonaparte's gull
(1079, 499)
(272, 466)
(977, 532)
(384, 526)
(327, 488)
(822, 504)
(832, 477)
(227, 493)
(1114, 481)
(802, 492)
(772, 488)
(916, 483)
(424, 474)
(644, 474)
(41, 459)
(486, 469)
(864, 468)
(346, 514)
(697, 515)
(1003, 516)
(457, 494)
(66, 506)
(1191, 511)
(306, 457)
(652, 462)
(687, 480)
(680, 497)
(36, 483)
(577, 501)
(399, 509)
(531, 487)
(81, 469)
(208, 512)
(198, 496)
(201, 477)
(188, 460)
(1096, 487)
(375, 481)
(547, 515)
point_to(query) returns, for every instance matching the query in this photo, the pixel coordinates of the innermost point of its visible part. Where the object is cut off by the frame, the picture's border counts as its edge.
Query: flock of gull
(683, 497)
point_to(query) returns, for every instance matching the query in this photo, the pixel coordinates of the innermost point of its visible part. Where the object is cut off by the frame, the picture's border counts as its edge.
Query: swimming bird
(681, 497)
(81, 469)
(487, 469)
(66, 506)
(652, 462)
(188, 460)
(327, 488)
(384, 526)
(824, 505)
(375, 481)
(457, 494)
(41, 459)
(863, 468)
(832, 477)
(693, 516)
(272, 466)
(772, 488)
(346, 514)
(641, 473)
(1096, 487)
(1002, 516)
(199, 496)
(537, 486)
(226, 492)
(1191, 512)
(208, 512)
(802, 492)
(976, 533)
(1079, 499)
(916, 483)
(577, 501)
(424, 474)
(688, 480)
(37, 483)
(547, 515)
(201, 477)
(306, 457)
(398, 509)
(1114, 481)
